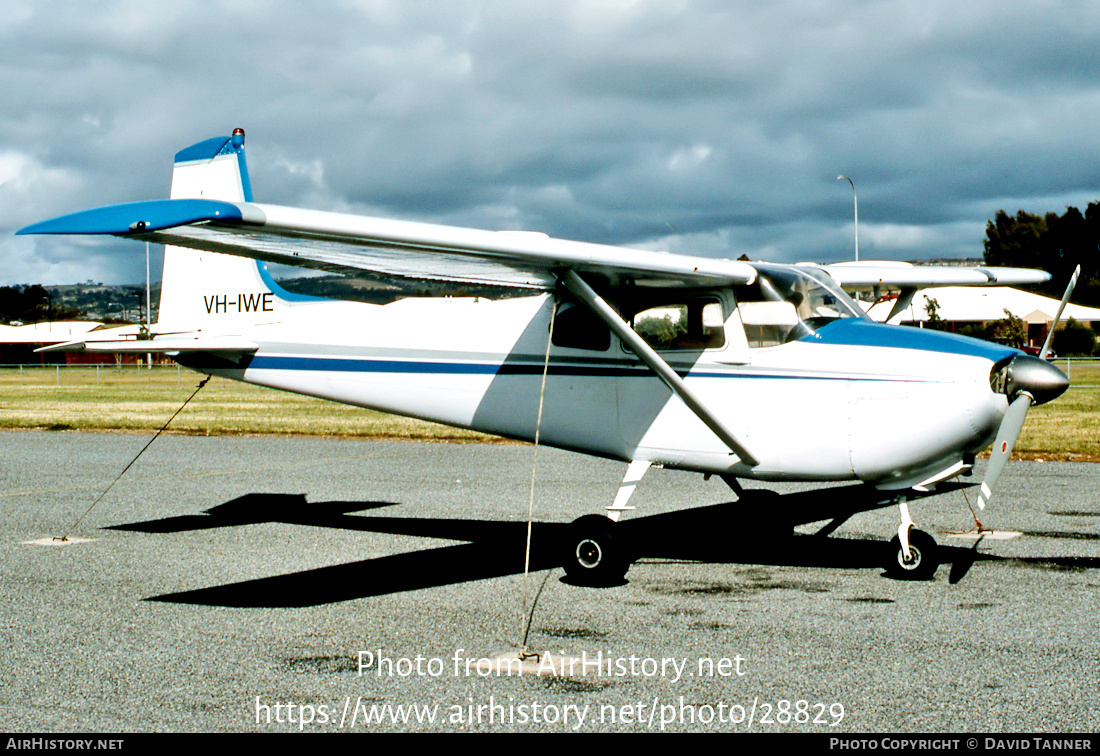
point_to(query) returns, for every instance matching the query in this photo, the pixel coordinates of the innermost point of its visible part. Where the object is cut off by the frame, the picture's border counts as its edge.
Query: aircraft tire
(923, 561)
(594, 555)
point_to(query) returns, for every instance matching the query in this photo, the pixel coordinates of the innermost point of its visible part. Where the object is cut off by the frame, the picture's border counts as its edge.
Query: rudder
(207, 290)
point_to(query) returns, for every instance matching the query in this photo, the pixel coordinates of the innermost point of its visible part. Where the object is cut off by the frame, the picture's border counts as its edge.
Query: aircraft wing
(887, 276)
(349, 244)
(879, 278)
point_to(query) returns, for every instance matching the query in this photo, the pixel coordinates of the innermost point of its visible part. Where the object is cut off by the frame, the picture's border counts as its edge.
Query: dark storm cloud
(706, 127)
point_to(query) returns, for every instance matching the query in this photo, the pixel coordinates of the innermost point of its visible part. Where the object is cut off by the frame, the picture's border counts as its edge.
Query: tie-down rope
(132, 461)
(531, 499)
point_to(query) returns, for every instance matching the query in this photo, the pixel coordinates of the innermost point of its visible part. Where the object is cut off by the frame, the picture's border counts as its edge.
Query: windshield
(787, 303)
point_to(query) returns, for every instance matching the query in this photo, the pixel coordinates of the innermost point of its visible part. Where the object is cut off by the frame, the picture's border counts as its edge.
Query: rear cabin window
(577, 327)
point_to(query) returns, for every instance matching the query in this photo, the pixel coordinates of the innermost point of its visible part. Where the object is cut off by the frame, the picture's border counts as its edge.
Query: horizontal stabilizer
(168, 344)
(134, 217)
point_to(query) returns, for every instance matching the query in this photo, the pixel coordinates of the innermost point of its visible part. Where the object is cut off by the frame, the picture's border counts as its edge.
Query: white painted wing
(343, 243)
(896, 275)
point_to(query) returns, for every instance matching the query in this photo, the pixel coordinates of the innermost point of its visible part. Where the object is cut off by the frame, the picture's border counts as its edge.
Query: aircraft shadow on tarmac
(756, 529)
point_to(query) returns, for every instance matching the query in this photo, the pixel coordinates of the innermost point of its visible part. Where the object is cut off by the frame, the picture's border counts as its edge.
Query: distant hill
(126, 303)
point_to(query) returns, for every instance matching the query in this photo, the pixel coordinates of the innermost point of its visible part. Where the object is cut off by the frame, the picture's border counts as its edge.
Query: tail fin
(204, 289)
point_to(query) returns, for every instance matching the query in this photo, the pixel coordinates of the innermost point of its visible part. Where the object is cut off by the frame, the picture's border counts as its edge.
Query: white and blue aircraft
(746, 370)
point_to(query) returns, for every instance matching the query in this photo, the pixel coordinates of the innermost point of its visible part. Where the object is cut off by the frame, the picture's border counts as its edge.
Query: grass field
(126, 399)
(129, 399)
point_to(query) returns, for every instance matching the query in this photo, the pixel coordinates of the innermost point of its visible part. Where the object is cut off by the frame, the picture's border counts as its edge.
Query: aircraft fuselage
(856, 400)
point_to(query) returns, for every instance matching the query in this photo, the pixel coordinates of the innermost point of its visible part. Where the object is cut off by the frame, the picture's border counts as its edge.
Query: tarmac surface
(272, 585)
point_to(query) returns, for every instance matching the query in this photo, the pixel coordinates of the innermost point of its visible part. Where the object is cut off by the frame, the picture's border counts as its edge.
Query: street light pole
(855, 204)
(148, 311)
(148, 303)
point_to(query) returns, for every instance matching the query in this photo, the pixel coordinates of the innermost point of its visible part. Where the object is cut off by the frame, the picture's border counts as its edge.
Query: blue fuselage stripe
(344, 365)
(841, 333)
(418, 367)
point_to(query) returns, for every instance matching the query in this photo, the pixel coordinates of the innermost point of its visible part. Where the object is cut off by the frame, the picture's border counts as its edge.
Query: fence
(93, 375)
(1087, 370)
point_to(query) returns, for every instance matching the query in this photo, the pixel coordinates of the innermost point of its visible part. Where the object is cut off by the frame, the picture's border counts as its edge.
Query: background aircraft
(744, 370)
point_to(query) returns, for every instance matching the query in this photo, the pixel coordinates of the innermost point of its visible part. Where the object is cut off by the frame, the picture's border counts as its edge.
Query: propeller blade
(1028, 378)
(1007, 434)
(1065, 298)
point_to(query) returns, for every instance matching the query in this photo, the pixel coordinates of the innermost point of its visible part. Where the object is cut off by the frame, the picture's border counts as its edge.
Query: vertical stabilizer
(206, 290)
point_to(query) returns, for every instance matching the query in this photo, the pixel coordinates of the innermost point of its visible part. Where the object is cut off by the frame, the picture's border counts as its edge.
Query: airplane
(745, 370)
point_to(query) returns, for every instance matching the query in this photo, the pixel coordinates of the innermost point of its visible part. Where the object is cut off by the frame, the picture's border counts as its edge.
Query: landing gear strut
(593, 554)
(912, 552)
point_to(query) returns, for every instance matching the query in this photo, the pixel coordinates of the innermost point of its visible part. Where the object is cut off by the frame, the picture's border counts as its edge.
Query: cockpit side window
(767, 323)
(690, 324)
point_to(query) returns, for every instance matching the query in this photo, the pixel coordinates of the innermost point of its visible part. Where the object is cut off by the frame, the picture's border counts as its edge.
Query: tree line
(1054, 243)
(1057, 244)
(26, 304)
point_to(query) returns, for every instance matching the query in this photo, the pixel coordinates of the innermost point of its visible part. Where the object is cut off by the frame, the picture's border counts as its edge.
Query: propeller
(1062, 306)
(1025, 380)
(1011, 426)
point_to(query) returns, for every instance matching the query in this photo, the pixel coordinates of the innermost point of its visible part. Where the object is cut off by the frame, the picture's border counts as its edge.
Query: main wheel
(593, 555)
(923, 558)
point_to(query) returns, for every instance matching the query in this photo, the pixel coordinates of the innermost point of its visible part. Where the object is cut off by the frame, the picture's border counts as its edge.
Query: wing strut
(903, 301)
(582, 291)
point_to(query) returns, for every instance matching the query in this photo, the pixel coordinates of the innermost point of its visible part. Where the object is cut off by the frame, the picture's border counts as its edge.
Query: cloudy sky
(706, 127)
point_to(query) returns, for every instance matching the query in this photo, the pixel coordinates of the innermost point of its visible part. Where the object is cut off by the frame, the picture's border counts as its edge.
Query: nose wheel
(920, 563)
(593, 554)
